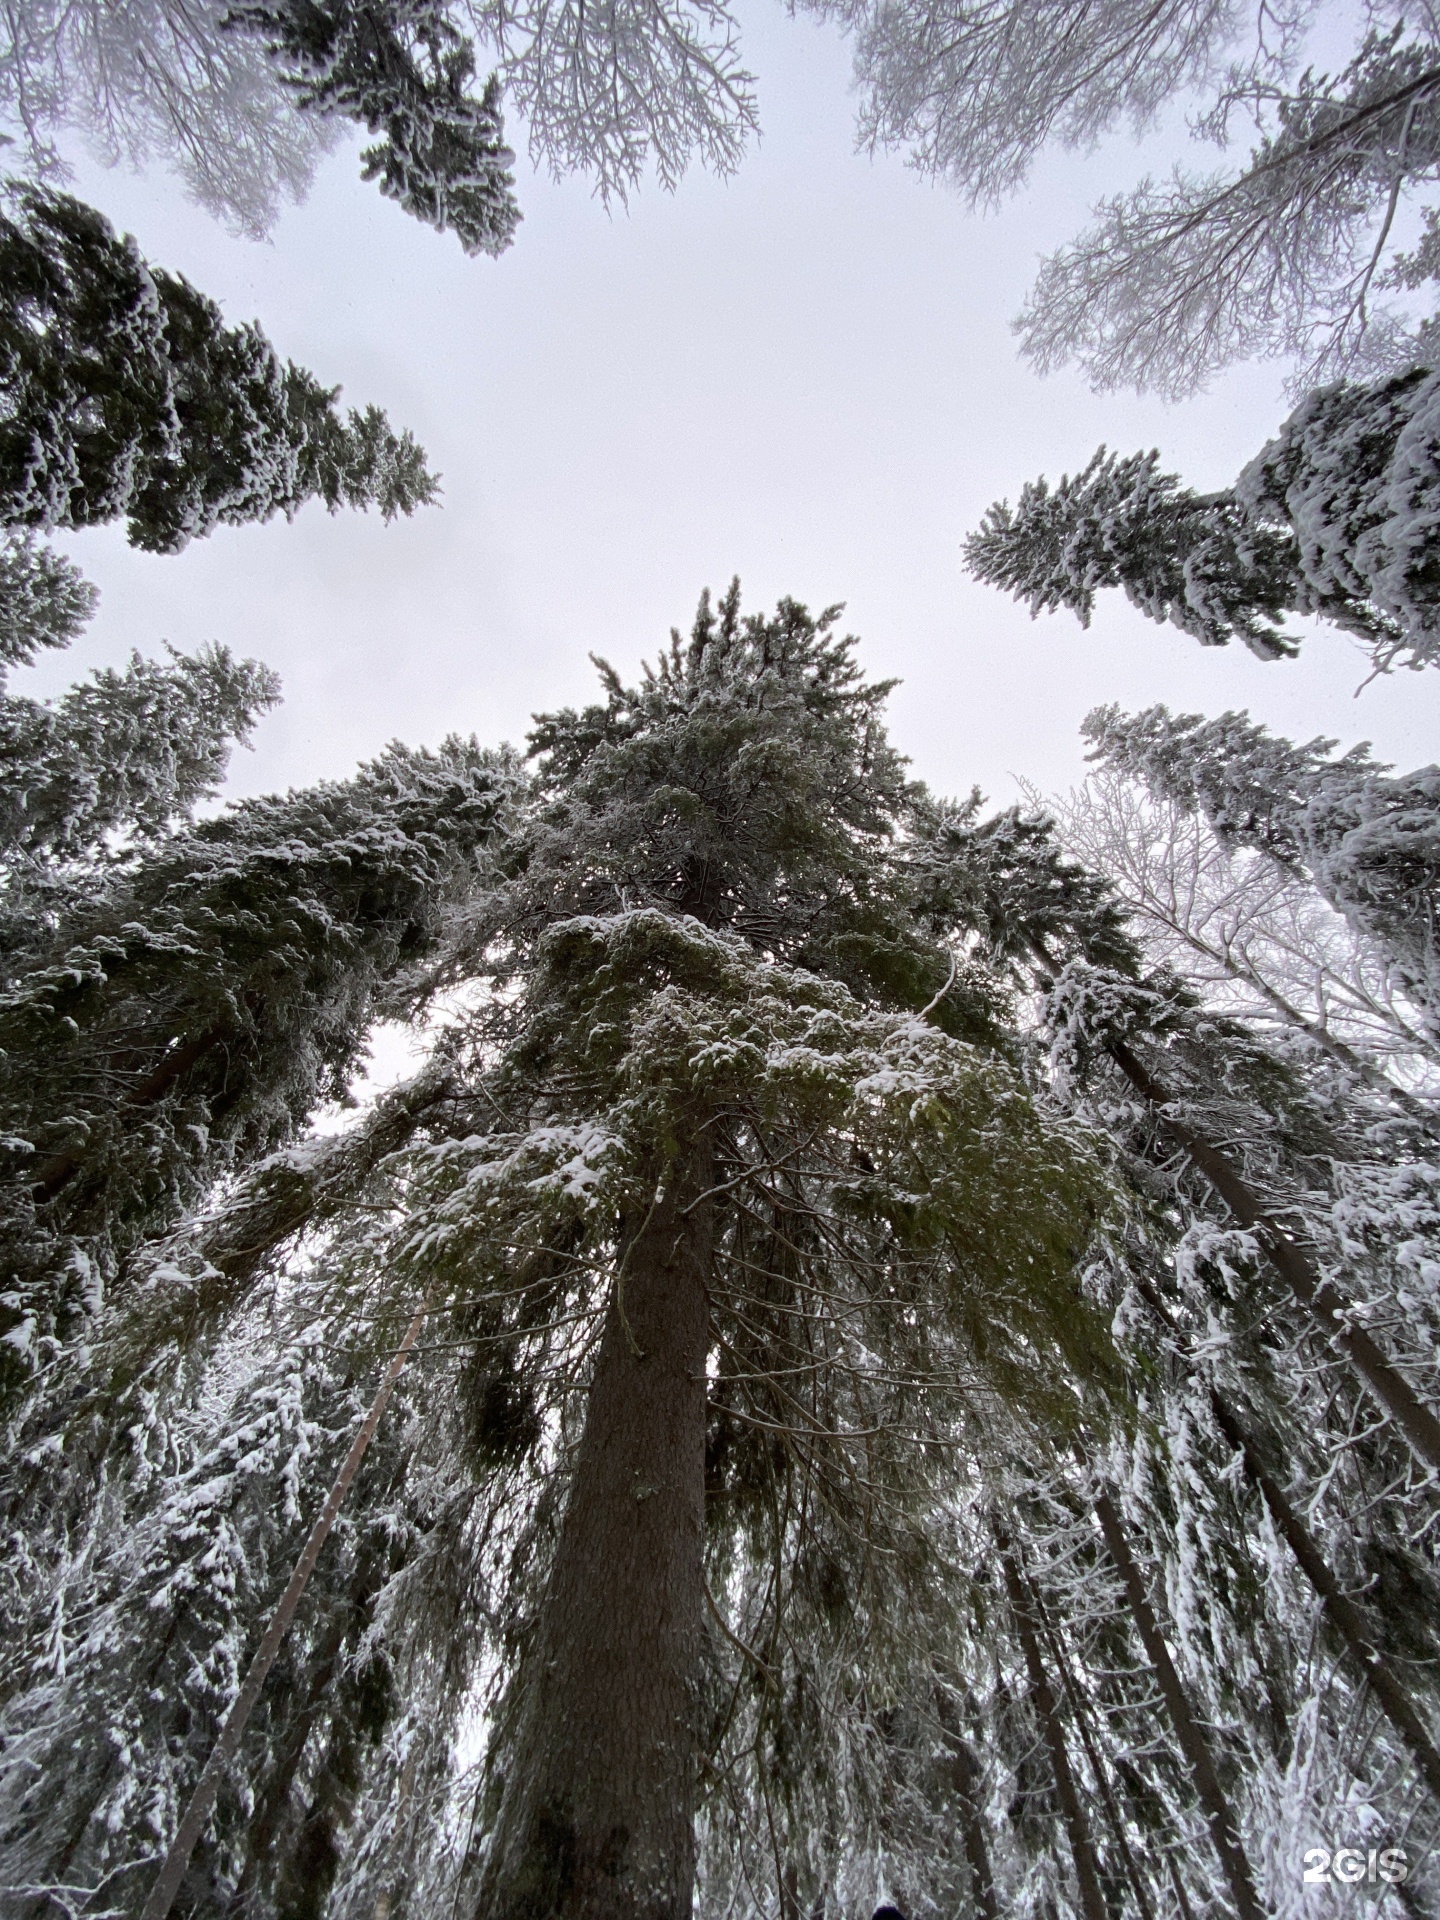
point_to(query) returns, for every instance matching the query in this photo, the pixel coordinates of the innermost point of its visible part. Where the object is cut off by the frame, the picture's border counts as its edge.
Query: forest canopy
(971, 1326)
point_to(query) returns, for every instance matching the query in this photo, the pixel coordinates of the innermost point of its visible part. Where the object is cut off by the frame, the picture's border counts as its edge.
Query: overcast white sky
(803, 375)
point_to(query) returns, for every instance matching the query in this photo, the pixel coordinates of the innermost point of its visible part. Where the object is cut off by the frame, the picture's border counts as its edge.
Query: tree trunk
(596, 1820)
(965, 1774)
(264, 1828)
(1223, 1828)
(1340, 1609)
(1395, 1394)
(349, 1615)
(1182, 1903)
(1079, 1709)
(1087, 1873)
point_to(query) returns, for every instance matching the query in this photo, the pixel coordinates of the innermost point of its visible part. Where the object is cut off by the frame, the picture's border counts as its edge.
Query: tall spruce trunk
(596, 1820)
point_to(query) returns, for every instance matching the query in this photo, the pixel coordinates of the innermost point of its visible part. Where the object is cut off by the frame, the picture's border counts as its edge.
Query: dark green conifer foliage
(127, 752)
(730, 1013)
(191, 1014)
(402, 69)
(1180, 556)
(1334, 516)
(88, 780)
(732, 1000)
(126, 396)
(780, 1116)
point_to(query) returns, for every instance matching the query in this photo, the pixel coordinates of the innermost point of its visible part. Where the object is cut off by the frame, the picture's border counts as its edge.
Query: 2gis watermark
(1355, 1866)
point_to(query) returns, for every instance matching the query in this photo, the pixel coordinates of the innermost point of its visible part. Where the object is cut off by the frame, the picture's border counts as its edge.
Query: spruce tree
(1335, 516)
(1353, 473)
(725, 954)
(821, 1444)
(1369, 840)
(185, 1017)
(749, 1175)
(88, 780)
(130, 751)
(1180, 556)
(44, 601)
(126, 396)
(402, 70)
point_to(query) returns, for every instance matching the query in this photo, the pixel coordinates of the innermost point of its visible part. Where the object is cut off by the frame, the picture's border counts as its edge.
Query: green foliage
(192, 1014)
(128, 752)
(126, 396)
(920, 1149)
(1334, 516)
(1181, 557)
(716, 910)
(403, 71)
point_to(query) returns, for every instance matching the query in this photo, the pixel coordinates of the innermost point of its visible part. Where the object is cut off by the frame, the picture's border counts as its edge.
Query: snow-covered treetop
(1336, 515)
(745, 781)
(1120, 522)
(123, 752)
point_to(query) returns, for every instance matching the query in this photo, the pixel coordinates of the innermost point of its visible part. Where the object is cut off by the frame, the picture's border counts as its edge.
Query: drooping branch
(1321, 1300)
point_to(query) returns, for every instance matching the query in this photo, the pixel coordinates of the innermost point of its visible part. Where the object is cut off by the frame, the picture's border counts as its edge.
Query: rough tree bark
(596, 1820)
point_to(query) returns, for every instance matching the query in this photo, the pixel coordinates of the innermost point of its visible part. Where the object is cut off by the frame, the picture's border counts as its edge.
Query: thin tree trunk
(1224, 1830)
(1339, 1608)
(1087, 1873)
(597, 1816)
(972, 1832)
(966, 1774)
(1181, 1900)
(1079, 1708)
(1395, 1394)
(265, 1824)
(1342, 1612)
